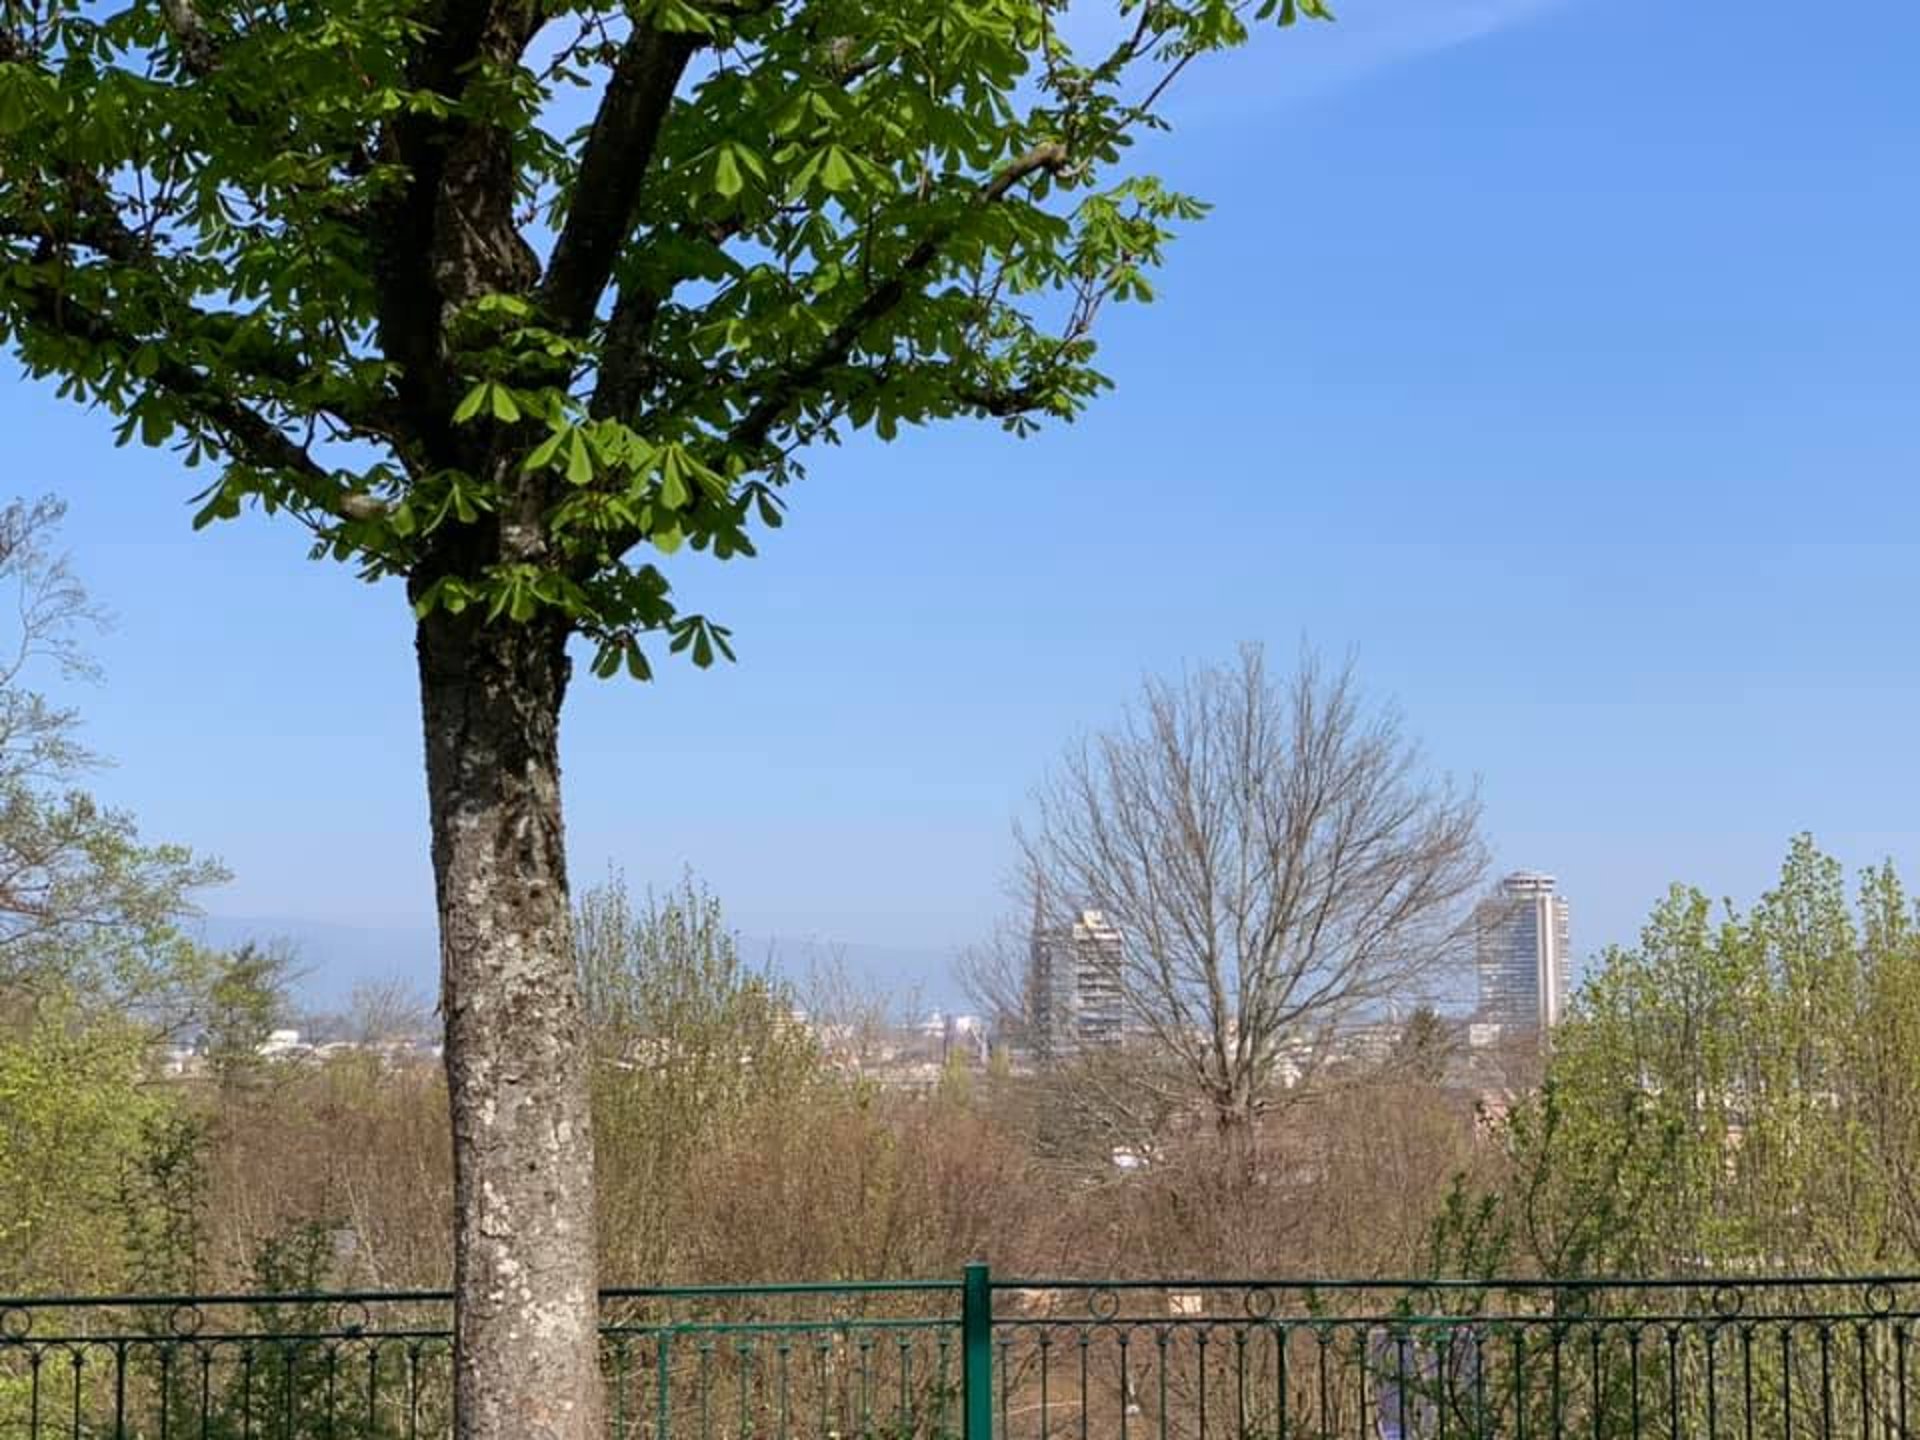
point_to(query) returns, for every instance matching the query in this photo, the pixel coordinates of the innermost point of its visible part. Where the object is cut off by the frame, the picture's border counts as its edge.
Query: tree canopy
(514, 299)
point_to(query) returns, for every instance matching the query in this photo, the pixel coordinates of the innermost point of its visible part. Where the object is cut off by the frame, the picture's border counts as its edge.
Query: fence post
(976, 1352)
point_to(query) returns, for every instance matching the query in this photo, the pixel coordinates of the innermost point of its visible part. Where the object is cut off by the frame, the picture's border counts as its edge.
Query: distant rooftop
(1521, 882)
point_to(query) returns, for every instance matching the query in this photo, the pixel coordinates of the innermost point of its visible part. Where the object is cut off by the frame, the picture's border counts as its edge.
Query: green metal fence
(982, 1358)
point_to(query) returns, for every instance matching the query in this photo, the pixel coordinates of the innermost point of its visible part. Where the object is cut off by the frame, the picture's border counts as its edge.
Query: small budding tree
(510, 300)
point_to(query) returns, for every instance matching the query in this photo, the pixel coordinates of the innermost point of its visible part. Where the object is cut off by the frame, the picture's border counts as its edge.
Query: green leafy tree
(511, 300)
(1725, 1100)
(688, 1040)
(246, 997)
(94, 965)
(163, 1201)
(74, 1109)
(93, 962)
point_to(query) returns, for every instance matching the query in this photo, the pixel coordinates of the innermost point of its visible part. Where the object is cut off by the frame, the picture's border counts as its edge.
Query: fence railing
(980, 1358)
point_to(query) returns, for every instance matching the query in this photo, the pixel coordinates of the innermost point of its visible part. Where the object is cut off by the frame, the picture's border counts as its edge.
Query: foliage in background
(95, 968)
(75, 1107)
(1732, 1094)
(245, 1000)
(688, 1041)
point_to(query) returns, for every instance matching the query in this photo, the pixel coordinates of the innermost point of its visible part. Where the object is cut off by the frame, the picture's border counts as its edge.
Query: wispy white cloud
(1416, 25)
(1372, 33)
(1313, 59)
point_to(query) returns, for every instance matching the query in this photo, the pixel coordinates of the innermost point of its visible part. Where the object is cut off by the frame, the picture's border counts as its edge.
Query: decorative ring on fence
(186, 1321)
(1259, 1304)
(1103, 1304)
(16, 1322)
(1728, 1301)
(1881, 1298)
(1575, 1303)
(351, 1317)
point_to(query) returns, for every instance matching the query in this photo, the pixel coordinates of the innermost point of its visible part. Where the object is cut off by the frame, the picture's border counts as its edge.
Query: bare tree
(386, 1010)
(996, 976)
(1277, 860)
(852, 1018)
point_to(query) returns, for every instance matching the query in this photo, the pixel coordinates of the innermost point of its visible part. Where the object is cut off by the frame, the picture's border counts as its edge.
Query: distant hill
(910, 979)
(332, 959)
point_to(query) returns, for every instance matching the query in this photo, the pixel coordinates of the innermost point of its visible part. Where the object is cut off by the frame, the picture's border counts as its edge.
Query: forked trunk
(525, 1311)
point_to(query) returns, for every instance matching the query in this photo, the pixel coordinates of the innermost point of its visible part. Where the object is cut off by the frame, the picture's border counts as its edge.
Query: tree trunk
(525, 1284)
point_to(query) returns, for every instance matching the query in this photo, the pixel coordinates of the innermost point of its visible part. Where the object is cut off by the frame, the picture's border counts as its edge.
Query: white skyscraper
(1075, 996)
(1521, 954)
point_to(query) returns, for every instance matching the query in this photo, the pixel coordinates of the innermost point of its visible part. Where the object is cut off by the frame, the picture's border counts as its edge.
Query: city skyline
(640, 521)
(1579, 471)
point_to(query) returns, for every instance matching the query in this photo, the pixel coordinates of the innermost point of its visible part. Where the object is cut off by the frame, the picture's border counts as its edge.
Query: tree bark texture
(525, 1282)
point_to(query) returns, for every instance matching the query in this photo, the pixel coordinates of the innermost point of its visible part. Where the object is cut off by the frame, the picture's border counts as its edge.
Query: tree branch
(198, 53)
(1002, 402)
(97, 227)
(625, 361)
(616, 393)
(624, 358)
(250, 436)
(757, 424)
(447, 235)
(613, 168)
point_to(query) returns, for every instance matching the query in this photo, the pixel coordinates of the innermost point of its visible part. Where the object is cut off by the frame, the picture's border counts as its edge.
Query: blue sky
(1559, 359)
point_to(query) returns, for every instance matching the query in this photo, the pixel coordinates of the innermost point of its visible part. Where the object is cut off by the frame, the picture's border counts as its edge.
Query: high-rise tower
(1521, 955)
(1075, 994)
